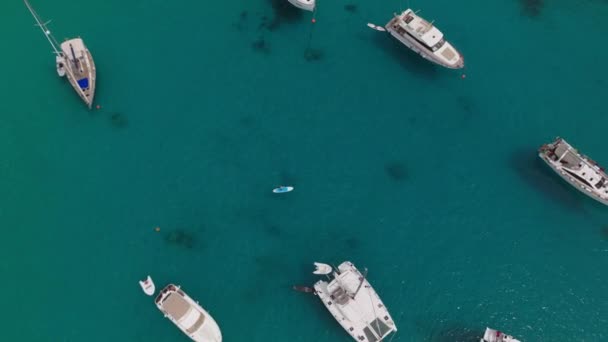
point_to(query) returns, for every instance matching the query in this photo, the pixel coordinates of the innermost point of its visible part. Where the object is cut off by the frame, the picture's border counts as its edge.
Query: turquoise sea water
(429, 180)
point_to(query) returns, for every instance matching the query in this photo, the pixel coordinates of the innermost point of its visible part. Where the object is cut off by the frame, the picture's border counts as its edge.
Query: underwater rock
(531, 8)
(118, 120)
(260, 45)
(313, 55)
(397, 171)
(181, 238)
(352, 8)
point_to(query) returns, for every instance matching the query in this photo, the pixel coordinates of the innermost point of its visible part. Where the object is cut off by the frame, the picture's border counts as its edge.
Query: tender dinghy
(148, 286)
(60, 65)
(376, 27)
(322, 269)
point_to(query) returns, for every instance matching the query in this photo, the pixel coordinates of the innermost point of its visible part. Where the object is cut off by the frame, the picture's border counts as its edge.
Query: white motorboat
(355, 304)
(577, 169)
(425, 39)
(187, 315)
(308, 5)
(492, 335)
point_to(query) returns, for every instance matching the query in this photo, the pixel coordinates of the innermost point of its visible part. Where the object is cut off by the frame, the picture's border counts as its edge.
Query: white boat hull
(307, 5)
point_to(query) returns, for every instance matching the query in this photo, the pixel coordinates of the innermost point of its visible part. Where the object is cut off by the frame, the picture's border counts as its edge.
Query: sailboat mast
(45, 30)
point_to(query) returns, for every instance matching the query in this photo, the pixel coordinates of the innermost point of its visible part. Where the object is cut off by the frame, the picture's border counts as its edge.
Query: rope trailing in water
(312, 26)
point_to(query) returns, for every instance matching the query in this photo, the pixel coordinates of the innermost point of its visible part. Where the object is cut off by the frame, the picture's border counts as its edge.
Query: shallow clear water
(429, 180)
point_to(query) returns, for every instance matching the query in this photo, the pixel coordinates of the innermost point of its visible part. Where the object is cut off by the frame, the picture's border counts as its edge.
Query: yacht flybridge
(354, 303)
(425, 39)
(307, 5)
(73, 60)
(492, 335)
(576, 168)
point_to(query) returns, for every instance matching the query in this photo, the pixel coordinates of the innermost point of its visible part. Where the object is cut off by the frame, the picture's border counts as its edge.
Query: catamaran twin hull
(355, 304)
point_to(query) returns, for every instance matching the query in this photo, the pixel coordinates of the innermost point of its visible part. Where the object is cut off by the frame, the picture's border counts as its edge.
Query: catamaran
(73, 60)
(308, 5)
(577, 169)
(354, 303)
(425, 39)
(188, 315)
(492, 335)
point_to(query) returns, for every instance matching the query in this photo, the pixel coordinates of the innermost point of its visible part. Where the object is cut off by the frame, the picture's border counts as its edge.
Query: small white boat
(148, 286)
(307, 5)
(577, 169)
(492, 335)
(376, 27)
(355, 304)
(282, 189)
(188, 315)
(322, 268)
(60, 62)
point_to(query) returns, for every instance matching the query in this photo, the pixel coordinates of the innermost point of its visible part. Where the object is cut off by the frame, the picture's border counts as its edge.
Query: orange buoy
(157, 229)
(98, 107)
(314, 20)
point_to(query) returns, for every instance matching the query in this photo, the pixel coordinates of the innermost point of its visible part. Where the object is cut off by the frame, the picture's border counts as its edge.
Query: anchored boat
(307, 5)
(576, 168)
(354, 303)
(425, 39)
(188, 315)
(492, 335)
(73, 60)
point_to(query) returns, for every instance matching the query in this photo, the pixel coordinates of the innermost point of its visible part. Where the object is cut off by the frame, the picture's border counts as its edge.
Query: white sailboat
(73, 59)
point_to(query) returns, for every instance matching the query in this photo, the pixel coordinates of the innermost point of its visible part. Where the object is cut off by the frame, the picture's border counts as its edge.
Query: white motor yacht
(188, 315)
(577, 169)
(425, 39)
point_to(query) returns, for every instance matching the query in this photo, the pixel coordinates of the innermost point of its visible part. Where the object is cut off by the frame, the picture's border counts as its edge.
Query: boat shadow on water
(531, 169)
(408, 59)
(447, 332)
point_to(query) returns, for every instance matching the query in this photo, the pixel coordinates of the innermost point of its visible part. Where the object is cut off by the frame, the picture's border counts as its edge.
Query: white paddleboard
(282, 189)
(376, 27)
(148, 286)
